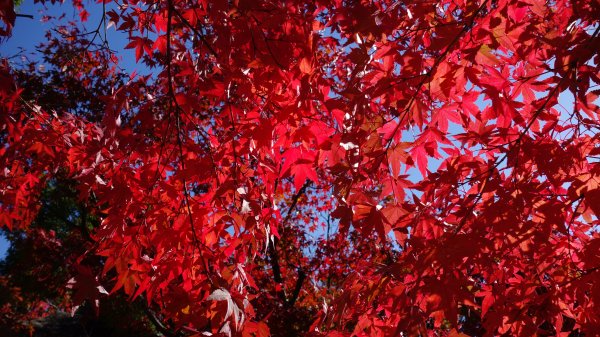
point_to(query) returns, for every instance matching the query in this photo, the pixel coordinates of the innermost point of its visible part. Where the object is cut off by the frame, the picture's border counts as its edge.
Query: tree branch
(299, 283)
(158, 324)
(274, 255)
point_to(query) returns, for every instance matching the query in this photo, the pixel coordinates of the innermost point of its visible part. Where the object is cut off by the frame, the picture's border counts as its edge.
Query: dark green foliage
(35, 274)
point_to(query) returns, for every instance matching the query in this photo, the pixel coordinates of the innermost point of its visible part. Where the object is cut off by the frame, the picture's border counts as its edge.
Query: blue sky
(28, 33)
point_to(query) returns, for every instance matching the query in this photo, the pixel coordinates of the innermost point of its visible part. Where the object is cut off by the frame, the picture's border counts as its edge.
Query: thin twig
(179, 141)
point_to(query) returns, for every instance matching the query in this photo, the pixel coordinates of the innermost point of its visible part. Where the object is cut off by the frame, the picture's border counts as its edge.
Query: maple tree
(339, 168)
